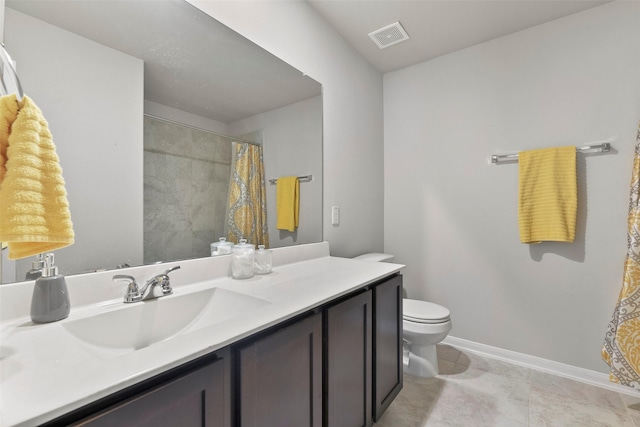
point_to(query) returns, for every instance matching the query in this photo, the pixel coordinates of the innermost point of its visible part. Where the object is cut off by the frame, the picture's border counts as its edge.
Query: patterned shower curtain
(247, 217)
(621, 348)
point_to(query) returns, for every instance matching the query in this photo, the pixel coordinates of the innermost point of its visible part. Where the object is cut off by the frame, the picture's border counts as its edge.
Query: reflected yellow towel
(548, 195)
(34, 211)
(287, 203)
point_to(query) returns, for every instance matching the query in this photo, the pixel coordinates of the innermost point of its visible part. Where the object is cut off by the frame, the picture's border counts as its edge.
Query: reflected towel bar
(596, 148)
(301, 178)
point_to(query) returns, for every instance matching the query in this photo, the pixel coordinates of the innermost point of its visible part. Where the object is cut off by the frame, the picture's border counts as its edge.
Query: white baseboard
(587, 376)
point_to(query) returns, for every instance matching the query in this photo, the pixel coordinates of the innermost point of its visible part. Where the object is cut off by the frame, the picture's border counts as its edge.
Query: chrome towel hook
(9, 81)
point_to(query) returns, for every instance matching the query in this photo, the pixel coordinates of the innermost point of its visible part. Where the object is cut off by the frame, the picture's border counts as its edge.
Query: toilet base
(421, 361)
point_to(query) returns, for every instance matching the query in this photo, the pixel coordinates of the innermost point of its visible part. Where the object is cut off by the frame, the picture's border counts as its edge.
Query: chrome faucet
(134, 294)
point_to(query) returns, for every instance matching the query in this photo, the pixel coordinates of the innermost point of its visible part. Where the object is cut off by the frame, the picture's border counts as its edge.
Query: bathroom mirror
(109, 76)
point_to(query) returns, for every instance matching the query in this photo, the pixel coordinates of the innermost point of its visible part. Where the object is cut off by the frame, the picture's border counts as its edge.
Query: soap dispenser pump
(36, 268)
(50, 301)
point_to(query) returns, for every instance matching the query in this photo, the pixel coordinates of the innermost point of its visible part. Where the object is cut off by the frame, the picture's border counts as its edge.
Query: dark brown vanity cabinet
(348, 362)
(338, 368)
(279, 377)
(198, 398)
(363, 366)
(338, 365)
(387, 355)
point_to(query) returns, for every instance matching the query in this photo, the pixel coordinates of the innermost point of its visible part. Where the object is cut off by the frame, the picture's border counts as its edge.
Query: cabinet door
(280, 377)
(348, 365)
(195, 399)
(387, 353)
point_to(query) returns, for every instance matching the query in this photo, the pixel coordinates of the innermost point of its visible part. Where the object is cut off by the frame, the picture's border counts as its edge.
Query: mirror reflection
(149, 103)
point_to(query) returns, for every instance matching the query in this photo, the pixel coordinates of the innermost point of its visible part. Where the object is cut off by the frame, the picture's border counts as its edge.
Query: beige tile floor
(476, 391)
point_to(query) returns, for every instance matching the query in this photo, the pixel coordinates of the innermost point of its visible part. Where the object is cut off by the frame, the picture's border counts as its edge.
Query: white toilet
(424, 325)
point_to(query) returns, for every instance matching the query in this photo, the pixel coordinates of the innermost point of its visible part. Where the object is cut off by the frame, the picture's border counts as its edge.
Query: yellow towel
(287, 203)
(548, 195)
(34, 211)
(8, 114)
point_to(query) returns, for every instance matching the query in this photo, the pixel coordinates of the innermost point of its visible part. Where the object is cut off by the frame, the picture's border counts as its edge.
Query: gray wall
(99, 144)
(292, 141)
(452, 217)
(352, 111)
(186, 186)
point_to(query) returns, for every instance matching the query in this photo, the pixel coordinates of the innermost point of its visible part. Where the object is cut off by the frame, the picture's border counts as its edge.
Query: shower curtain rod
(201, 129)
(605, 147)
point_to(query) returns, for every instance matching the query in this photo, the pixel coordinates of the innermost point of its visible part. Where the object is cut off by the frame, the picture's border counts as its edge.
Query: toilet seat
(424, 312)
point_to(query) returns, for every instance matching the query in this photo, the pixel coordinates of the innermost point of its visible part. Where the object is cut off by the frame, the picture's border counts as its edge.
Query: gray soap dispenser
(36, 268)
(50, 301)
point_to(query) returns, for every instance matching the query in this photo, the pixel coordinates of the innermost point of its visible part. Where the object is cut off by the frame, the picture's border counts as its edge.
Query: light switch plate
(335, 215)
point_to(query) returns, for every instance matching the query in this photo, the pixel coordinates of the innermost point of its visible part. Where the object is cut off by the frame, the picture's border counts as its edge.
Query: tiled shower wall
(186, 183)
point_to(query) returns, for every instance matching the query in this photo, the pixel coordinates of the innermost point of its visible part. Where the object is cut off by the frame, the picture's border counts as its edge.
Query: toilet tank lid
(423, 310)
(377, 257)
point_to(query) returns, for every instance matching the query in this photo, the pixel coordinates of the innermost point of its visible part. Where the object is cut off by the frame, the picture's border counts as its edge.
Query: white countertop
(45, 372)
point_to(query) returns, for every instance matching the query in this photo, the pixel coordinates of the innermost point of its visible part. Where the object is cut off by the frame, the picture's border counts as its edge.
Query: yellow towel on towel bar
(287, 203)
(548, 195)
(34, 211)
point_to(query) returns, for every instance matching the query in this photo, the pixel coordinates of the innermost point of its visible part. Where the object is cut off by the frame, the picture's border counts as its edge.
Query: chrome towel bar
(595, 148)
(301, 178)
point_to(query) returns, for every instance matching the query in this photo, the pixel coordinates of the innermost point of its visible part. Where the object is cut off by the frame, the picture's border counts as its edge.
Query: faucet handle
(165, 280)
(133, 293)
(177, 267)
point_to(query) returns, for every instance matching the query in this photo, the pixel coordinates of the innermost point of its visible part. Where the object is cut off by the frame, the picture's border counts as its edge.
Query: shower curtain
(621, 348)
(247, 218)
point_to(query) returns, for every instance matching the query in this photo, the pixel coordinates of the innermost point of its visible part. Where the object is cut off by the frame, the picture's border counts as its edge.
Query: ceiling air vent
(389, 35)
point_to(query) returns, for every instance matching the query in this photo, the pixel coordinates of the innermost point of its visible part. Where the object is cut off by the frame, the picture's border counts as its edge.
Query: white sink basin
(138, 325)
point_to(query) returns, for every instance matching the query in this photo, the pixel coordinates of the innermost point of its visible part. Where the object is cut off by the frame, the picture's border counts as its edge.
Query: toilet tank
(376, 257)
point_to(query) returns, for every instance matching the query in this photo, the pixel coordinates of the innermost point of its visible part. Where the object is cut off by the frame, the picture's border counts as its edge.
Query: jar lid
(243, 245)
(223, 242)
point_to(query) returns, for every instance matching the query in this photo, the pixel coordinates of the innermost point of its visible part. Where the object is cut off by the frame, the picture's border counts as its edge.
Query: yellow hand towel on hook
(34, 211)
(548, 195)
(288, 203)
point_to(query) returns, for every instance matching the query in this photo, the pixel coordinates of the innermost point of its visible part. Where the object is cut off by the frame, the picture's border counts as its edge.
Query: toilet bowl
(424, 325)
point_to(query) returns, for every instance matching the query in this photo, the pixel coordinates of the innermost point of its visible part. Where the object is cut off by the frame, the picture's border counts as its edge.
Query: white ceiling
(194, 63)
(436, 27)
(191, 61)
